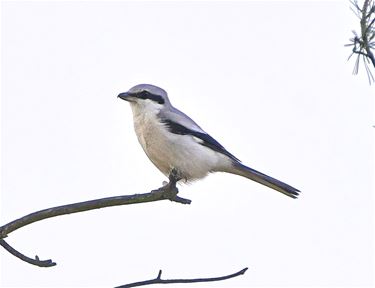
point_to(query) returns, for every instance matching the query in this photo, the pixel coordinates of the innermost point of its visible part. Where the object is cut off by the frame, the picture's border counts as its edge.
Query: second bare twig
(158, 280)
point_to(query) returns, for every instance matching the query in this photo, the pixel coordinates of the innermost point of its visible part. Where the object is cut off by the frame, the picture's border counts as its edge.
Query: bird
(174, 142)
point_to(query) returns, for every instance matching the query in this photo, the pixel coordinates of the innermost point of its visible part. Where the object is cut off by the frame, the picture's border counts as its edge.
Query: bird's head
(146, 96)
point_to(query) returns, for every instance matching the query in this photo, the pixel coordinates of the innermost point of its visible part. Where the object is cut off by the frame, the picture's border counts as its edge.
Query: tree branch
(36, 261)
(363, 43)
(366, 27)
(168, 191)
(158, 280)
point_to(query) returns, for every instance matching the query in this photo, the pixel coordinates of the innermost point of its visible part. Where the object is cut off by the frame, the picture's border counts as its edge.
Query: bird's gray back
(181, 118)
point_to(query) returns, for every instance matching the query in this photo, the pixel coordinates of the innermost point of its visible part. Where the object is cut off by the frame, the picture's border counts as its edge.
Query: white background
(269, 80)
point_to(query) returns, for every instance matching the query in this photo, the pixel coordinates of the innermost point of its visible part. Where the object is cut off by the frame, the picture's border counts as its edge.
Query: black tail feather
(266, 180)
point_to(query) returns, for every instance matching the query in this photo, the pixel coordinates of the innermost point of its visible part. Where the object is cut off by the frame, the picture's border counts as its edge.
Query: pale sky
(268, 80)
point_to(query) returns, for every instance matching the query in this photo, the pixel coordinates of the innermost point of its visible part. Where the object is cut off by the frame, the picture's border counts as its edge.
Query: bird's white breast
(167, 150)
(145, 126)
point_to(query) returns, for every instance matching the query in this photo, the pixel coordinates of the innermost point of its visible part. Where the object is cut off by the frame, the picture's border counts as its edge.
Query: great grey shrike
(173, 141)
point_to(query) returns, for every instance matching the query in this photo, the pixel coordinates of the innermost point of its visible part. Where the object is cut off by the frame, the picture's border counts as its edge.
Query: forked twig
(158, 280)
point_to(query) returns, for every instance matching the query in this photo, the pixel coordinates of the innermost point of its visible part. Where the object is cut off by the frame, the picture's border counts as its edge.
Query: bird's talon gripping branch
(170, 191)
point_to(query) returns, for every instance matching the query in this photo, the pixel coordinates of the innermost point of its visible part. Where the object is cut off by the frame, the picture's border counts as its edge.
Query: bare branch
(363, 44)
(369, 27)
(168, 191)
(357, 9)
(36, 261)
(365, 26)
(158, 280)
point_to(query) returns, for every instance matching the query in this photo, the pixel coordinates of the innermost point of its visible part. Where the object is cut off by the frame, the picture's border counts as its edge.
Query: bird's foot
(169, 189)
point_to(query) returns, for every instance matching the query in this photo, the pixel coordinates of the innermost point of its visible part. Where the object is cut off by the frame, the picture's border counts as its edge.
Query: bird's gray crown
(148, 91)
(149, 88)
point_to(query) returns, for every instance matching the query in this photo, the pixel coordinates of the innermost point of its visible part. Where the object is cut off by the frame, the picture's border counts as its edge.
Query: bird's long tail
(264, 179)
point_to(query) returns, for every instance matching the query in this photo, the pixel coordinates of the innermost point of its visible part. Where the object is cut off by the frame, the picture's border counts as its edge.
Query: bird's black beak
(125, 96)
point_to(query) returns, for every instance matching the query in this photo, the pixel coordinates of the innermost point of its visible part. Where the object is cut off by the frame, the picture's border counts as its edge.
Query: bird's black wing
(206, 140)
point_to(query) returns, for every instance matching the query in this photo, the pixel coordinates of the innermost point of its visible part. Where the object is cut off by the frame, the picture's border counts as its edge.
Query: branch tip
(36, 261)
(159, 275)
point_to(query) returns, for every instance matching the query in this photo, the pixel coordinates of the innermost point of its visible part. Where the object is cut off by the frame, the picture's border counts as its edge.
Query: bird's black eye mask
(147, 95)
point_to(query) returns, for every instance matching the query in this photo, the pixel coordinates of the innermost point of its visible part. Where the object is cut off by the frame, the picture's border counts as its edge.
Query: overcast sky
(268, 80)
